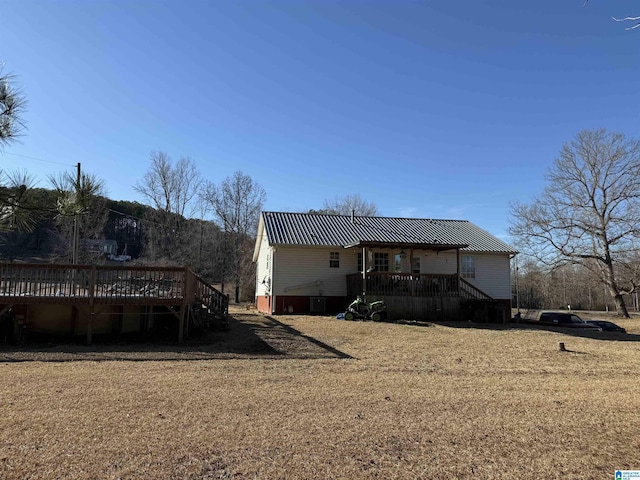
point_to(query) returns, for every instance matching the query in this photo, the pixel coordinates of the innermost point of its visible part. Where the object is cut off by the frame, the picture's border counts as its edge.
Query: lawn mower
(361, 310)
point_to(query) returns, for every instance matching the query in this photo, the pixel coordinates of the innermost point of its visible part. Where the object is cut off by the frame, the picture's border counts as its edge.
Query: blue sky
(435, 109)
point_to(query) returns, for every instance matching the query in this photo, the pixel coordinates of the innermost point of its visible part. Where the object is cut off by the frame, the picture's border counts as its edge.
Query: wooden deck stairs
(211, 308)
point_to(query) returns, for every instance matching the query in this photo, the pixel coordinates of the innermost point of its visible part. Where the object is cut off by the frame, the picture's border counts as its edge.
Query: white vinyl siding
(264, 268)
(443, 263)
(493, 275)
(306, 271)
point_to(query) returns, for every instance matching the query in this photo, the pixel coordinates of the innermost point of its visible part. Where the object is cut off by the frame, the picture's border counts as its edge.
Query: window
(381, 262)
(360, 261)
(468, 267)
(334, 260)
(397, 267)
(415, 266)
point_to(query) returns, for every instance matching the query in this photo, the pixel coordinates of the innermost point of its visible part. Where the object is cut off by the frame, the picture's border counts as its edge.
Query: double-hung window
(381, 262)
(415, 265)
(467, 267)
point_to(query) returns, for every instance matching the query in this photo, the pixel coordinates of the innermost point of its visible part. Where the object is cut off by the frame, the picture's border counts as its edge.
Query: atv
(361, 310)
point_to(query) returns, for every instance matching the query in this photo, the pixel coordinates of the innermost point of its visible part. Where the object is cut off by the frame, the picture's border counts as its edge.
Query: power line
(40, 159)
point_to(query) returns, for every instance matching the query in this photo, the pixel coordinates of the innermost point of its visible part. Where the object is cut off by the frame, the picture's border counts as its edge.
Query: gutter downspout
(273, 281)
(515, 259)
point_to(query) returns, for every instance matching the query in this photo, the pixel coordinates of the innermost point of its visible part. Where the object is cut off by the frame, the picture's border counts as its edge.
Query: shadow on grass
(534, 326)
(248, 337)
(576, 332)
(575, 352)
(291, 334)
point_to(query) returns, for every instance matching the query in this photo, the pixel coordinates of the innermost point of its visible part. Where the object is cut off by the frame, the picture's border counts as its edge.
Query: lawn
(319, 398)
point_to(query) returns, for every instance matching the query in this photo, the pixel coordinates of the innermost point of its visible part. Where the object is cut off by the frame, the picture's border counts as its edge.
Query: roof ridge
(323, 214)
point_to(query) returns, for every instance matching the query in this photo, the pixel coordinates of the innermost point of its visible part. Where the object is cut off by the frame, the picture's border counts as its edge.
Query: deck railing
(213, 299)
(413, 285)
(89, 286)
(102, 284)
(471, 292)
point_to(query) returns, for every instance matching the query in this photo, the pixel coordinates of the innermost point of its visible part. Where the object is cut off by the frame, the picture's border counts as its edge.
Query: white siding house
(315, 263)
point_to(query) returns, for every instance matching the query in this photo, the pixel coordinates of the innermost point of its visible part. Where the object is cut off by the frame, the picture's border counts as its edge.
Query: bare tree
(589, 212)
(348, 204)
(236, 203)
(624, 19)
(172, 189)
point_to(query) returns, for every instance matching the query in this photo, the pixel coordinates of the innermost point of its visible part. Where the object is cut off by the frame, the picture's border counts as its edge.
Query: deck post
(90, 328)
(92, 296)
(181, 323)
(187, 298)
(364, 273)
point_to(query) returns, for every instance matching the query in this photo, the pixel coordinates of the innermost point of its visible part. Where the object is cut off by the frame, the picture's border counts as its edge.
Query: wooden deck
(92, 289)
(442, 297)
(413, 285)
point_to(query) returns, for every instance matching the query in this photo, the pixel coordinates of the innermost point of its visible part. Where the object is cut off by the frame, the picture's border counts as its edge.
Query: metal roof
(313, 229)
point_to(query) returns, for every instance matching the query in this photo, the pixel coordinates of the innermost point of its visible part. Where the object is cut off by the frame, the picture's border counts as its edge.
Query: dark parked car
(566, 320)
(607, 326)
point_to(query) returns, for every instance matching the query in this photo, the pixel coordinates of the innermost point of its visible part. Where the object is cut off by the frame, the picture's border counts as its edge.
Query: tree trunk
(621, 307)
(610, 280)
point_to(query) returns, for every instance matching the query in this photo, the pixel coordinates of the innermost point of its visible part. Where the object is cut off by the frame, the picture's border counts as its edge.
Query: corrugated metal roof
(315, 229)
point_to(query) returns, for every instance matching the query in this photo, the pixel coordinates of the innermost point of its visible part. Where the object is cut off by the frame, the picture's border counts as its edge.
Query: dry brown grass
(281, 401)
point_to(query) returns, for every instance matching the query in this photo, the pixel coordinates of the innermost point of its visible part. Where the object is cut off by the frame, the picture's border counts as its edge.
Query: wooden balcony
(90, 289)
(385, 284)
(44, 283)
(423, 296)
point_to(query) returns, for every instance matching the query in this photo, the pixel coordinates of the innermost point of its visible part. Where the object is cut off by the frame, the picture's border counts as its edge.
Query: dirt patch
(249, 334)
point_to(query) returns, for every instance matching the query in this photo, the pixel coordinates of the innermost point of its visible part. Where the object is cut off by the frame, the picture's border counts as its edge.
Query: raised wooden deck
(443, 297)
(91, 289)
(413, 285)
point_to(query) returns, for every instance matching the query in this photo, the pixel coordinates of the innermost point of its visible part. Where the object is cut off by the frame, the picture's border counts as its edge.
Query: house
(422, 268)
(99, 246)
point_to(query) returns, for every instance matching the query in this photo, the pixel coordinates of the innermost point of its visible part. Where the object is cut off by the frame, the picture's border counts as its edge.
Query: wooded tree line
(572, 287)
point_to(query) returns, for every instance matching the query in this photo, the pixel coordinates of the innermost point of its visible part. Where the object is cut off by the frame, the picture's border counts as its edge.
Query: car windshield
(576, 319)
